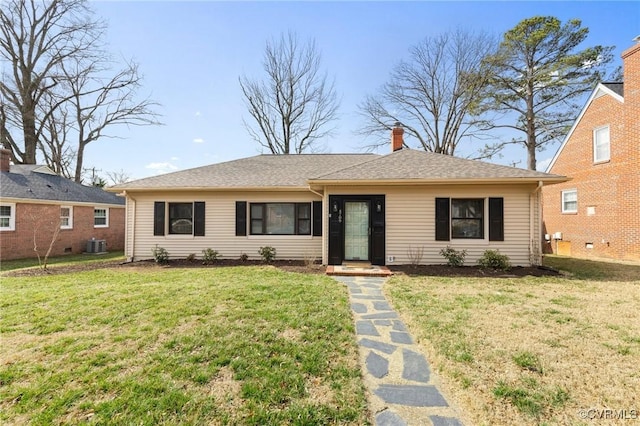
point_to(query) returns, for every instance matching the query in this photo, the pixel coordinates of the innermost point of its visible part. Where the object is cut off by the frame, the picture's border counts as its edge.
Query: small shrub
(191, 257)
(493, 259)
(415, 255)
(209, 256)
(268, 253)
(454, 257)
(244, 257)
(160, 255)
(309, 259)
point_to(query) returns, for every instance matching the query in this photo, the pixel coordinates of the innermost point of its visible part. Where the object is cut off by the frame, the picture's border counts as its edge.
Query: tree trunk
(79, 160)
(29, 131)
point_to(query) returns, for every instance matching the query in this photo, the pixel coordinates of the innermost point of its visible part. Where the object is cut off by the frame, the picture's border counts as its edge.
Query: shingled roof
(261, 171)
(615, 87)
(415, 165)
(38, 183)
(298, 171)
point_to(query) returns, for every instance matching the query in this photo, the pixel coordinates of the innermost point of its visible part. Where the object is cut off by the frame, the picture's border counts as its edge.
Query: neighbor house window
(66, 217)
(467, 218)
(601, 145)
(7, 217)
(179, 218)
(570, 201)
(100, 218)
(280, 218)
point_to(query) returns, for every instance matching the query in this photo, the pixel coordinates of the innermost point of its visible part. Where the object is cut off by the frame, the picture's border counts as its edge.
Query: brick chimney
(396, 137)
(5, 160)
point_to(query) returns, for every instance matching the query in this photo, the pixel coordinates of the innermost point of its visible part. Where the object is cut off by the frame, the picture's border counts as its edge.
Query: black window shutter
(317, 218)
(241, 218)
(496, 219)
(198, 219)
(158, 218)
(442, 219)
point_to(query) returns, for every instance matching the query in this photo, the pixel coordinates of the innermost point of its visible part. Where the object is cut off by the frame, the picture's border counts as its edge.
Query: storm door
(356, 230)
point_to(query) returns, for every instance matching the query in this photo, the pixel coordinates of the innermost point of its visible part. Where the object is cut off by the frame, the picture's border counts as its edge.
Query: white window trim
(485, 223)
(70, 225)
(106, 209)
(595, 150)
(567, 191)
(12, 217)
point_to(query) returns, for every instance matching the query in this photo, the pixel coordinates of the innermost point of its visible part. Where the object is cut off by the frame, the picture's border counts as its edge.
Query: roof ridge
(375, 157)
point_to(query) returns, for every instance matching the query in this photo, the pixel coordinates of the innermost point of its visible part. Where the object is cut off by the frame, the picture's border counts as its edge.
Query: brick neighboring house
(598, 211)
(34, 201)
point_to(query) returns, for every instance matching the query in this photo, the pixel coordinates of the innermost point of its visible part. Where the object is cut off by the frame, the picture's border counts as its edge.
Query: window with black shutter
(158, 217)
(496, 219)
(179, 218)
(463, 218)
(198, 219)
(442, 219)
(241, 218)
(317, 218)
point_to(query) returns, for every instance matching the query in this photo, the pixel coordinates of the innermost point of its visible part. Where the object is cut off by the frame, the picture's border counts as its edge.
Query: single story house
(399, 208)
(35, 202)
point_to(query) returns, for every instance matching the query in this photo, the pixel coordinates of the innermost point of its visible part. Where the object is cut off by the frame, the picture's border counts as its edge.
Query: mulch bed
(294, 266)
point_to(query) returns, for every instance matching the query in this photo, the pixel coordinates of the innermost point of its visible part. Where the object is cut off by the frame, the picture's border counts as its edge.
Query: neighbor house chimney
(5, 159)
(396, 137)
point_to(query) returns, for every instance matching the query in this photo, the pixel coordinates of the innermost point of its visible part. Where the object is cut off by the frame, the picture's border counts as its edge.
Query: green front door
(356, 230)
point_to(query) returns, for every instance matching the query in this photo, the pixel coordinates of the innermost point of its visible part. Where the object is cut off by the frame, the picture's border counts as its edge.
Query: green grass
(247, 345)
(9, 265)
(514, 350)
(593, 269)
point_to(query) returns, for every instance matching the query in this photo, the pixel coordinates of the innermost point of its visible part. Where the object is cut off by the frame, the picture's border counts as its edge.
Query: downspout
(535, 257)
(316, 192)
(133, 227)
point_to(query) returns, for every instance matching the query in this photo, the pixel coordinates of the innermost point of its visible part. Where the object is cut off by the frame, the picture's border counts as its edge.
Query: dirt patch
(470, 271)
(299, 266)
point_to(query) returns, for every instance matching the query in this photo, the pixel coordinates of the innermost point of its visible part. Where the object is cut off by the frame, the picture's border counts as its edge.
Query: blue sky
(192, 53)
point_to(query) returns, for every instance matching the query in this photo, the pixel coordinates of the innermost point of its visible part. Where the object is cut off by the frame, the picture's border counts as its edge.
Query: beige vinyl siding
(129, 238)
(410, 221)
(220, 216)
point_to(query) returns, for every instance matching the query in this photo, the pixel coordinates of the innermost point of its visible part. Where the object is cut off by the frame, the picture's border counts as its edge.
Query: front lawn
(77, 260)
(236, 345)
(533, 350)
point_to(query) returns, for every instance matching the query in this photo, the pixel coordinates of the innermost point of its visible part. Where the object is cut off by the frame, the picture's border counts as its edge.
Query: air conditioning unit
(96, 246)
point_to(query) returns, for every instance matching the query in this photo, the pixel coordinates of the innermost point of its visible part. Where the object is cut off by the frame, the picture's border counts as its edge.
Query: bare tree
(46, 228)
(118, 177)
(36, 38)
(98, 104)
(63, 93)
(293, 107)
(539, 76)
(433, 93)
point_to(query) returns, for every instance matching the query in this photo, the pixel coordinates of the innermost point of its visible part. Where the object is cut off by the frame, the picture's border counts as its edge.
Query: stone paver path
(401, 385)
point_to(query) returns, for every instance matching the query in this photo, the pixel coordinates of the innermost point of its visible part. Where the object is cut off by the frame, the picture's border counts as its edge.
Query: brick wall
(45, 218)
(611, 188)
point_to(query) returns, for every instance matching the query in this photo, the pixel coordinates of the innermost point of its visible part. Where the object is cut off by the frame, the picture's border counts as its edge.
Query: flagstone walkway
(401, 385)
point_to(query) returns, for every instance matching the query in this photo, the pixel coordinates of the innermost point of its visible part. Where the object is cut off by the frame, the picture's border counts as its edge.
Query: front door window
(356, 230)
